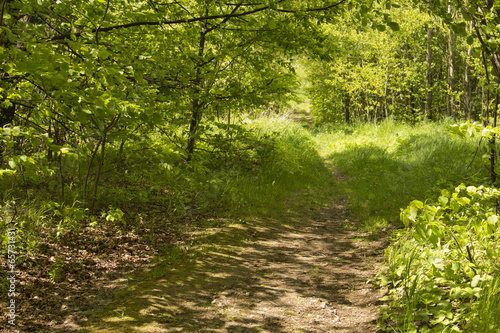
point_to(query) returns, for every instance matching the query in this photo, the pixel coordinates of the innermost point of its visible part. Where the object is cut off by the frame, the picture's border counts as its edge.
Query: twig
(477, 149)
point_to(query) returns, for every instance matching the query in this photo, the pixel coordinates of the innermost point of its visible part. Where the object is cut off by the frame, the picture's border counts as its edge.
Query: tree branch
(226, 17)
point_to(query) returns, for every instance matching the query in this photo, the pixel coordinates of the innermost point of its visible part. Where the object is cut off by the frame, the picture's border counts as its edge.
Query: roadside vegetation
(149, 204)
(425, 185)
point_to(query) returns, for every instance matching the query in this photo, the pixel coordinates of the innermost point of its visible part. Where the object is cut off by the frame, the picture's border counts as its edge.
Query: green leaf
(475, 281)
(417, 204)
(492, 219)
(443, 200)
(104, 54)
(459, 28)
(487, 29)
(476, 52)
(394, 26)
(271, 24)
(16, 131)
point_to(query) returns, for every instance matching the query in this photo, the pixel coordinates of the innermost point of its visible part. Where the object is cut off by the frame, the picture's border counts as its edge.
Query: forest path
(300, 269)
(302, 114)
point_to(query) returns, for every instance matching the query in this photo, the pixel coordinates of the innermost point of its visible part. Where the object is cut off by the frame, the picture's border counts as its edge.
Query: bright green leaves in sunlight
(410, 213)
(378, 68)
(82, 80)
(487, 144)
(454, 242)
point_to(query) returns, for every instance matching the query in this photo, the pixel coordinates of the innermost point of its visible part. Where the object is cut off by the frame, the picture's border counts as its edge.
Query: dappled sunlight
(303, 270)
(390, 165)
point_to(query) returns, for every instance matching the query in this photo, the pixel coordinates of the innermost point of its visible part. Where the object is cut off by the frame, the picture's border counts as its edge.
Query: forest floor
(301, 267)
(305, 271)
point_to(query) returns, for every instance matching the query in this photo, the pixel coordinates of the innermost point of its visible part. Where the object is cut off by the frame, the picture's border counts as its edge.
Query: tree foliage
(80, 76)
(424, 61)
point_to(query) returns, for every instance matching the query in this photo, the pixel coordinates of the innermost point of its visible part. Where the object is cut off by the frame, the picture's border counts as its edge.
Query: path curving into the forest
(303, 271)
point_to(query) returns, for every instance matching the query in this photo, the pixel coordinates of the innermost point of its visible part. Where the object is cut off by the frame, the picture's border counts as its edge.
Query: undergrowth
(249, 168)
(442, 270)
(443, 267)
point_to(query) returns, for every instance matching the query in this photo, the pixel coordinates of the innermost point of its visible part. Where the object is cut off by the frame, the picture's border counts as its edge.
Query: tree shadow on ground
(382, 178)
(305, 271)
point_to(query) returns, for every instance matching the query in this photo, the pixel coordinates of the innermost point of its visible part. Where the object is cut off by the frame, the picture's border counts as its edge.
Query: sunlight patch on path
(300, 273)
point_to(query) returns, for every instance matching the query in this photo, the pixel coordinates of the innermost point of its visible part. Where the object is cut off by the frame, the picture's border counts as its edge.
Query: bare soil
(297, 269)
(304, 271)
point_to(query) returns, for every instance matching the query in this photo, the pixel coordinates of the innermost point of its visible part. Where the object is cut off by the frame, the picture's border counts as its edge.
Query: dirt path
(303, 117)
(300, 272)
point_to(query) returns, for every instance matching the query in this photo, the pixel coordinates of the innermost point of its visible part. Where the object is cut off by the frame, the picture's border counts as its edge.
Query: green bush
(443, 268)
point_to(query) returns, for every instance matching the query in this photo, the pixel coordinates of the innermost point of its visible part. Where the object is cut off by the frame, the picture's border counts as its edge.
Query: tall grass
(488, 307)
(285, 162)
(389, 165)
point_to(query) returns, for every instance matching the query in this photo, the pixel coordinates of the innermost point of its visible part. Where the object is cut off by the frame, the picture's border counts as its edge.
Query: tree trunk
(428, 83)
(105, 132)
(468, 88)
(451, 74)
(197, 105)
(385, 89)
(366, 106)
(493, 154)
(486, 99)
(347, 102)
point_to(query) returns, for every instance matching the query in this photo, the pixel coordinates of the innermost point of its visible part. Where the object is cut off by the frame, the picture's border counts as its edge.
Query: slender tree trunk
(468, 88)
(385, 89)
(347, 101)
(105, 132)
(98, 173)
(486, 100)
(493, 154)
(451, 74)
(428, 83)
(367, 107)
(483, 105)
(197, 104)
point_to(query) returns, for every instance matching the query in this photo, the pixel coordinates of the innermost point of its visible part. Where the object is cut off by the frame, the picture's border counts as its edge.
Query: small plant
(113, 214)
(68, 217)
(56, 273)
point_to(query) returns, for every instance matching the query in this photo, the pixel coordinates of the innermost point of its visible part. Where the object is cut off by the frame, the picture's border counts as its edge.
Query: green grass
(489, 307)
(434, 284)
(389, 165)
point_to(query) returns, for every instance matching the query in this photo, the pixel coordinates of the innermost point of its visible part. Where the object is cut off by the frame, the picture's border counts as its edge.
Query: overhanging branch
(225, 17)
